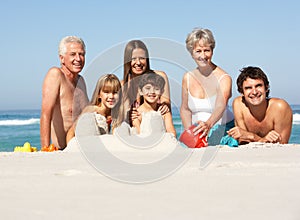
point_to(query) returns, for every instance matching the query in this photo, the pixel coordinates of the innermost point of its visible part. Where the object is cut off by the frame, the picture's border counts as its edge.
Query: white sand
(250, 182)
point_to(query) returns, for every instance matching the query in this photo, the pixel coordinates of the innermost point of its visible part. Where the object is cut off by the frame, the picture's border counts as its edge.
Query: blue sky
(260, 33)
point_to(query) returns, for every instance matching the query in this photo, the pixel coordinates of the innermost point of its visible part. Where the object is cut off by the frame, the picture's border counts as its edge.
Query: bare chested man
(259, 118)
(64, 93)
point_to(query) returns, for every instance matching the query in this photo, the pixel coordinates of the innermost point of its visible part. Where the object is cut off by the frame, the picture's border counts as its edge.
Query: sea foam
(296, 118)
(17, 122)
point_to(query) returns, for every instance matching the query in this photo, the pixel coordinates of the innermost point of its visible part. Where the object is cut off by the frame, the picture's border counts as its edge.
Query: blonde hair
(112, 83)
(198, 34)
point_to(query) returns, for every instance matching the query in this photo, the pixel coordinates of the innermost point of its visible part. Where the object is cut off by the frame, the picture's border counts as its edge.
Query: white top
(101, 122)
(202, 108)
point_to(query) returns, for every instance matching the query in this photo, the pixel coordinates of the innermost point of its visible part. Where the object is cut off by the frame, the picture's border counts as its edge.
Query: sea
(20, 126)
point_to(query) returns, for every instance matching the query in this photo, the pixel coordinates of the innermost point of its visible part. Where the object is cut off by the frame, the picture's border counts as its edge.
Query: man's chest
(260, 128)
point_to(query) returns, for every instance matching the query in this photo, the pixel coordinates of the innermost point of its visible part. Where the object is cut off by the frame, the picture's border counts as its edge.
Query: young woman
(136, 63)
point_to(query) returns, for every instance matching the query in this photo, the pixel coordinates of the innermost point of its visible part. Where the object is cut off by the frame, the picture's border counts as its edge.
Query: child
(151, 87)
(105, 104)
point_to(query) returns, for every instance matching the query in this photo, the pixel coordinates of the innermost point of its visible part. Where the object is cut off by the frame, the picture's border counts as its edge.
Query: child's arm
(169, 123)
(70, 133)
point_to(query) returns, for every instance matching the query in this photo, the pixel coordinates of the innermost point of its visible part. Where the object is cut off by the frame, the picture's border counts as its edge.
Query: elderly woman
(206, 91)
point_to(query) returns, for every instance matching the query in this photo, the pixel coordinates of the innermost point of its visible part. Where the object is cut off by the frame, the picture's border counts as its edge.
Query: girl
(104, 104)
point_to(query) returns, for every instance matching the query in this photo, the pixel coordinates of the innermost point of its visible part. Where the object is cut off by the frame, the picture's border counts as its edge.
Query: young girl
(151, 87)
(104, 104)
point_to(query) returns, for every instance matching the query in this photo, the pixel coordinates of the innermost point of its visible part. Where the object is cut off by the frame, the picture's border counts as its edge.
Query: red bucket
(191, 140)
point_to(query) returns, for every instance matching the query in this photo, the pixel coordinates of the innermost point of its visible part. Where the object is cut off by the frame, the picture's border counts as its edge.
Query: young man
(259, 118)
(64, 93)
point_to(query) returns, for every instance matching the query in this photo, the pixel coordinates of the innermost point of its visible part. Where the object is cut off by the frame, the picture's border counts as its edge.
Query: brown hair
(253, 73)
(129, 91)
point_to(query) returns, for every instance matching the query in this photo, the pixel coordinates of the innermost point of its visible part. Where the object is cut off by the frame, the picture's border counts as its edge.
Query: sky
(247, 33)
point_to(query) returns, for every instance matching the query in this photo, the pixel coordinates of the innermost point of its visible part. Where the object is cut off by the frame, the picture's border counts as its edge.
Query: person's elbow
(184, 110)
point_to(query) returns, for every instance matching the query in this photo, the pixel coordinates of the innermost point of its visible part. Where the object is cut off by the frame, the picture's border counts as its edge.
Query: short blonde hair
(198, 34)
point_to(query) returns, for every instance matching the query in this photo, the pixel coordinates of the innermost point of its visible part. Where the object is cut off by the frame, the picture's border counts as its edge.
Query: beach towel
(218, 135)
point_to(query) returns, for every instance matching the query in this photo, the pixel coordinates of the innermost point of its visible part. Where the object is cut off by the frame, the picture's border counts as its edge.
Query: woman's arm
(223, 95)
(70, 133)
(185, 112)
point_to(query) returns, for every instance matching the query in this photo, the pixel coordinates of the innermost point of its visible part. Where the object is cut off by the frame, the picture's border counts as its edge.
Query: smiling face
(138, 61)
(109, 97)
(202, 53)
(254, 91)
(74, 58)
(151, 93)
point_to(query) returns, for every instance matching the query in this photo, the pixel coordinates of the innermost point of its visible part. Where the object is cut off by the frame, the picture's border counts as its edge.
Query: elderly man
(64, 93)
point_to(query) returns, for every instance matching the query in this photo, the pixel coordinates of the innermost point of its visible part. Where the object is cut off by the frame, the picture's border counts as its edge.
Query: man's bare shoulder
(54, 72)
(238, 101)
(239, 107)
(53, 78)
(278, 104)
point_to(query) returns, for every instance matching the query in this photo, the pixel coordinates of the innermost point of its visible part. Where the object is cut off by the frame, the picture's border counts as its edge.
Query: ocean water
(20, 126)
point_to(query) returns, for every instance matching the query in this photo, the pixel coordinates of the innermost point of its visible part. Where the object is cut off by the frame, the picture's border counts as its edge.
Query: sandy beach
(249, 182)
